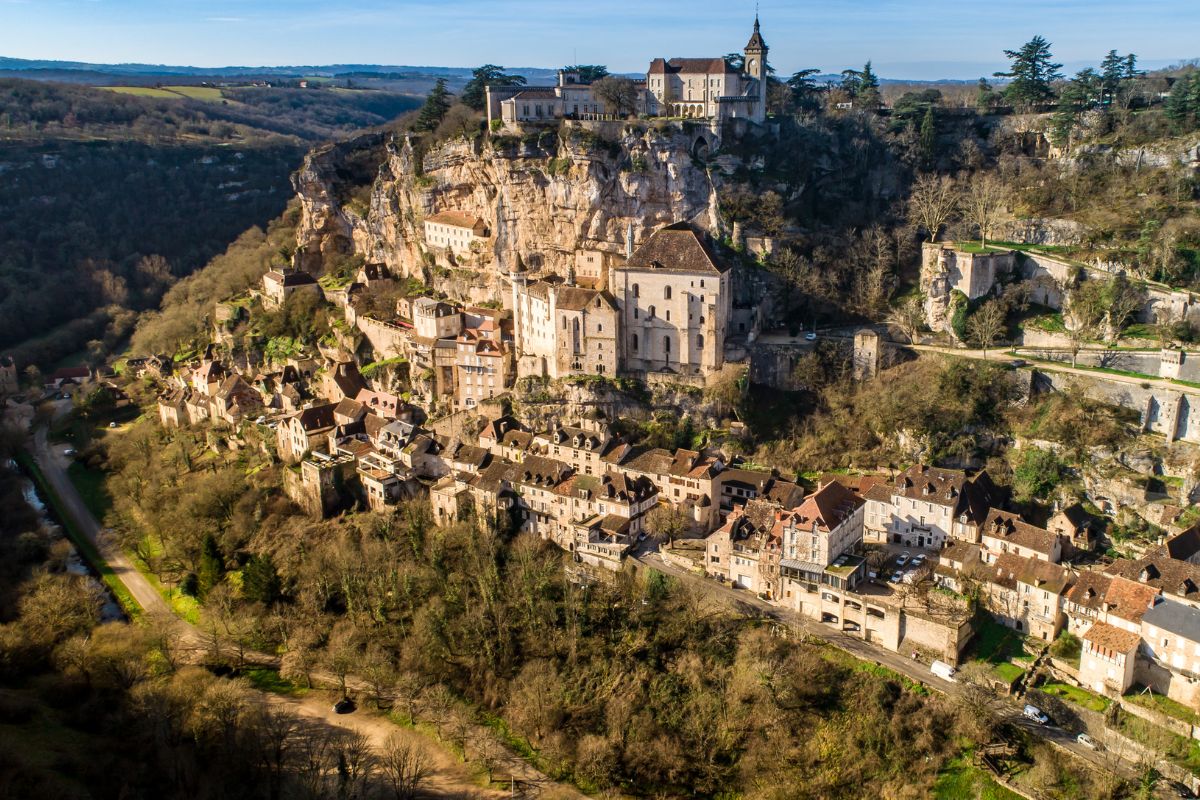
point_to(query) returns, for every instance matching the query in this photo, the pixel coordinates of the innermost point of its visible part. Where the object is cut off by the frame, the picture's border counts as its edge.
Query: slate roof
(1178, 618)
(316, 418)
(690, 66)
(1031, 571)
(1089, 589)
(291, 278)
(677, 248)
(1184, 545)
(574, 298)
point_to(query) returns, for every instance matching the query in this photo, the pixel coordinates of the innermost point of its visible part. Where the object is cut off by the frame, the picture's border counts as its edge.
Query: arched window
(635, 342)
(668, 313)
(667, 345)
(636, 292)
(700, 341)
(667, 293)
(650, 313)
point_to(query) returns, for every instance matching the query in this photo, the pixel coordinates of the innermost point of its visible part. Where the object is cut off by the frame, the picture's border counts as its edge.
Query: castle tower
(756, 67)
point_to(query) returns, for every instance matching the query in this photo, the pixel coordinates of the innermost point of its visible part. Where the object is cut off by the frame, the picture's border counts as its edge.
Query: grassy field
(208, 93)
(960, 778)
(269, 680)
(1080, 697)
(1160, 702)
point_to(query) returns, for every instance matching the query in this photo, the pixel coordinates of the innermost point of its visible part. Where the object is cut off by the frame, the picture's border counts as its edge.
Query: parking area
(905, 563)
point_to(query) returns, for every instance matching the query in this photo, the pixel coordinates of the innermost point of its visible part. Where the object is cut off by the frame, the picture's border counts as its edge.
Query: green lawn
(960, 778)
(1080, 697)
(269, 680)
(1008, 672)
(184, 606)
(208, 93)
(997, 644)
(1178, 750)
(1160, 702)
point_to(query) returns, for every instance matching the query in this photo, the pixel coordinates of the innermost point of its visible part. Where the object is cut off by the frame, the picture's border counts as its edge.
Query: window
(635, 342)
(636, 292)
(667, 345)
(668, 313)
(650, 313)
(667, 293)
(635, 312)
(700, 341)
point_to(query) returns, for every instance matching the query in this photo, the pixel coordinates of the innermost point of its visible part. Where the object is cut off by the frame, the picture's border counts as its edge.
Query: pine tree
(1112, 72)
(474, 94)
(1032, 72)
(928, 140)
(260, 580)
(435, 108)
(868, 88)
(1183, 104)
(212, 565)
(984, 95)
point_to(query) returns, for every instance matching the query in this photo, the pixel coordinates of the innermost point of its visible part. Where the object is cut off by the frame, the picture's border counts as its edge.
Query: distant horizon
(960, 39)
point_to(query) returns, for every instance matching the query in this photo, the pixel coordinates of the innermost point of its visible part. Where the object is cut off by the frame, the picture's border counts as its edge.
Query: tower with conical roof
(756, 67)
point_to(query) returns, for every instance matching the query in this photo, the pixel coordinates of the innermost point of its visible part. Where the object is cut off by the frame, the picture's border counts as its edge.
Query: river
(110, 611)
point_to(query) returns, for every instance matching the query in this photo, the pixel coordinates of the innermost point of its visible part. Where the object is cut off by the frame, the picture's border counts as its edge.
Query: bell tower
(756, 68)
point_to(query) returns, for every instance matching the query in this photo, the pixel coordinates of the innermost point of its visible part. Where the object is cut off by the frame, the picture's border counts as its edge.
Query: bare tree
(666, 522)
(489, 753)
(404, 767)
(933, 201)
(983, 204)
(987, 324)
(908, 316)
(620, 95)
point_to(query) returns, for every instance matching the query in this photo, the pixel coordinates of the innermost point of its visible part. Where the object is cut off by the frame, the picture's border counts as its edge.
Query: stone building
(561, 329)
(710, 88)
(454, 231)
(674, 298)
(279, 285)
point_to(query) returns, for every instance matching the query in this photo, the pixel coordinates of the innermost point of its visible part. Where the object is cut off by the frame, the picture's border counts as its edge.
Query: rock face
(542, 198)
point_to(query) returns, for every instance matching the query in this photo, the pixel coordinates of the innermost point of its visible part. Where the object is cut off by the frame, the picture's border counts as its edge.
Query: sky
(919, 39)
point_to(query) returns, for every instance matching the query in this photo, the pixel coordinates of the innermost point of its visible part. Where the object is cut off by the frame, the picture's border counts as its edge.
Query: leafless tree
(908, 316)
(933, 201)
(984, 203)
(620, 95)
(404, 767)
(987, 324)
(666, 522)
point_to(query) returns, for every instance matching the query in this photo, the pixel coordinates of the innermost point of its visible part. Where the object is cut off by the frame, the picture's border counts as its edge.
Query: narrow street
(739, 599)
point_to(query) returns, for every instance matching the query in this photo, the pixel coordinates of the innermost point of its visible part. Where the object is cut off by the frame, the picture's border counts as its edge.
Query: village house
(686, 479)
(746, 552)
(927, 507)
(1075, 525)
(581, 446)
(280, 284)
(1024, 593)
(172, 409)
(601, 517)
(1004, 532)
(66, 376)
(736, 486)
(340, 380)
(1178, 580)
(304, 431)
(435, 319)
(483, 361)
(1108, 658)
(454, 231)
(821, 531)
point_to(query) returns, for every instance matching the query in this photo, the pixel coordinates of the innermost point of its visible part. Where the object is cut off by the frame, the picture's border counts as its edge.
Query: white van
(942, 670)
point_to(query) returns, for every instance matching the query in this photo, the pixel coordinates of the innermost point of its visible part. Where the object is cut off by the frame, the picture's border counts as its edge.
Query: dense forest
(109, 198)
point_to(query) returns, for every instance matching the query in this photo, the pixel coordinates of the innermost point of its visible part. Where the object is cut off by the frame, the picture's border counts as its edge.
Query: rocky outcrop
(542, 197)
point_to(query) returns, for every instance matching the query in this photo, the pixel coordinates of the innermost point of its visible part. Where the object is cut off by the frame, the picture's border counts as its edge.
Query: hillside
(110, 196)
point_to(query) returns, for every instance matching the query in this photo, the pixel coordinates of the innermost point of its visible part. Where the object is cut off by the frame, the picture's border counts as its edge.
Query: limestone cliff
(542, 197)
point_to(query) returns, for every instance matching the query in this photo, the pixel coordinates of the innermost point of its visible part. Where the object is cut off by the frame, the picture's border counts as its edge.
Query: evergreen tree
(588, 73)
(1077, 95)
(212, 565)
(985, 96)
(862, 85)
(474, 94)
(804, 89)
(1112, 72)
(1183, 104)
(435, 108)
(260, 580)
(1032, 71)
(928, 141)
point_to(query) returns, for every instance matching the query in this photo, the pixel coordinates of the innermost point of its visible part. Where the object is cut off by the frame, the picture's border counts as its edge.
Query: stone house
(687, 479)
(735, 486)
(1075, 525)
(454, 231)
(482, 365)
(710, 88)
(582, 446)
(235, 400)
(1025, 593)
(928, 507)
(745, 554)
(1177, 580)
(1003, 532)
(279, 285)
(300, 433)
(434, 319)
(560, 329)
(172, 410)
(1108, 658)
(822, 530)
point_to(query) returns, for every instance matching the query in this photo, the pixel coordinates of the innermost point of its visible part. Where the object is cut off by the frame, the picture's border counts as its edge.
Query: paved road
(53, 463)
(915, 670)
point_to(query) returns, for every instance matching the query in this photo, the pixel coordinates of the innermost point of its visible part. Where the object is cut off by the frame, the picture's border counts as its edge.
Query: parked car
(1036, 714)
(918, 560)
(1087, 741)
(344, 706)
(810, 336)
(942, 670)
(902, 559)
(112, 424)
(896, 578)
(70, 451)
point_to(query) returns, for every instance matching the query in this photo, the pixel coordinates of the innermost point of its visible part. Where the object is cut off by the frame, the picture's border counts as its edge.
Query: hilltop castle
(696, 88)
